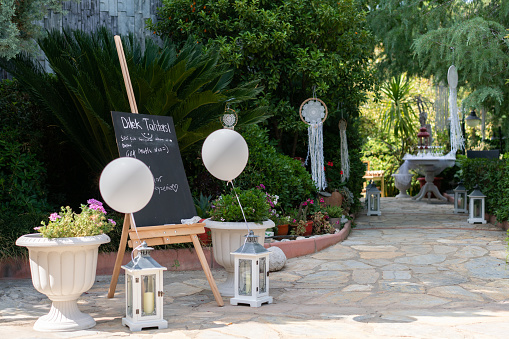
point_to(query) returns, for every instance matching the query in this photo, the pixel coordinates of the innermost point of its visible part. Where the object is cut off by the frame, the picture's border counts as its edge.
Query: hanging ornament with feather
(345, 162)
(457, 140)
(313, 112)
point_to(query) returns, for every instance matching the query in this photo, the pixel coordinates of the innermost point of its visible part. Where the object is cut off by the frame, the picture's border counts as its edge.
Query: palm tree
(190, 85)
(398, 115)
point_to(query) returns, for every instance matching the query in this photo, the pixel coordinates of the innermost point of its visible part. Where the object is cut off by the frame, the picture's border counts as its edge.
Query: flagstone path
(417, 271)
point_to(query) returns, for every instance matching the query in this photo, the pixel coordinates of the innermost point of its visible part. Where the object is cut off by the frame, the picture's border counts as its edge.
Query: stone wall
(119, 16)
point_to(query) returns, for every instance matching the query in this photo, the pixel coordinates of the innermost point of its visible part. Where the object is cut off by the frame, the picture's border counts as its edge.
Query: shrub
(491, 176)
(279, 173)
(254, 203)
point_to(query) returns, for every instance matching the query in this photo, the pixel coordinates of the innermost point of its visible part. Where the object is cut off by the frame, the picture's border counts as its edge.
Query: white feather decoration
(345, 162)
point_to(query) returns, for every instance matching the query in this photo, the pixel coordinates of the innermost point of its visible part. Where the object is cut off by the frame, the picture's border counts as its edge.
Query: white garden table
(430, 166)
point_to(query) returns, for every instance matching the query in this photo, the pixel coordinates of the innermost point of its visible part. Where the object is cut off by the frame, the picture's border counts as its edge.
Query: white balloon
(126, 185)
(225, 154)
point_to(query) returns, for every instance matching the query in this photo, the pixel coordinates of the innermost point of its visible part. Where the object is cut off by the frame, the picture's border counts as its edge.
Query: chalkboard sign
(152, 139)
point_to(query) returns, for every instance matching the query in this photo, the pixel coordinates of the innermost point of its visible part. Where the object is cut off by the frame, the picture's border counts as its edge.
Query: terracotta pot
(282, 229)
(336, 199)
(205, 238)
(309, 228)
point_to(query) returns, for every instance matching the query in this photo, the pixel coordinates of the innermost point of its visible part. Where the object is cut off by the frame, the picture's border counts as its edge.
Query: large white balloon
(126, 185)
(225, 154)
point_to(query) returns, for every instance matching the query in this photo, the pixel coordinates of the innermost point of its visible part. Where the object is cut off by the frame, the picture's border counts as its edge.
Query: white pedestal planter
(62, 269)
(227, 237)
(402, 183)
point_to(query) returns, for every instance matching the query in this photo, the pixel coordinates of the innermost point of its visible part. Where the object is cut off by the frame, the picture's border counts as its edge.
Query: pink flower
(54, 216)
(311, 202)
(321, 200)
(304, 203)
(262, 186)
(112, 221)
(37, 228)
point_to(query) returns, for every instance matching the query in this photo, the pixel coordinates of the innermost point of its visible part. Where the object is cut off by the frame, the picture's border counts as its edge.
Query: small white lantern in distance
(476, 206)
(373, 197)
(460, 199)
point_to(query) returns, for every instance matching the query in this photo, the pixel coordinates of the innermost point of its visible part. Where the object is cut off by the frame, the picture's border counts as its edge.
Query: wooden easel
(155, 235)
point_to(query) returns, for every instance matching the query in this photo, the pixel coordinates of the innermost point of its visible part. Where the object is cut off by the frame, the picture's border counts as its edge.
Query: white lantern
(373, 197)
(460, 199)
(251, 273)
(144, 291)
(476, 207)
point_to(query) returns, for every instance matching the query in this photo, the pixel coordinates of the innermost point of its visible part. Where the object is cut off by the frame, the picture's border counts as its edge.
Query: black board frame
(152, 139)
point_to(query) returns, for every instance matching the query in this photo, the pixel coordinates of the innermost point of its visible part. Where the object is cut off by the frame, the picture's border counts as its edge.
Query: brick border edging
(490, 218)
(307, 246)
(184, 259)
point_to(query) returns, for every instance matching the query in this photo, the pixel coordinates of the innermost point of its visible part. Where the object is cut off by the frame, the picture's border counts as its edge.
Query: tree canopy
(292, 46)
(426, 37)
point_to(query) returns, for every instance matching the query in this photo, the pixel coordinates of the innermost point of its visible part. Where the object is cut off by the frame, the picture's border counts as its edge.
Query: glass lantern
(460, 199)
(373, 197)
(251, 273)
(476, 206)
(144, 291)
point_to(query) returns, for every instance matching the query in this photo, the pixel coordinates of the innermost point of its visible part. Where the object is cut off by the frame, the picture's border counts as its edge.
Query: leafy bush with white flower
(254, 202)
(91, 221)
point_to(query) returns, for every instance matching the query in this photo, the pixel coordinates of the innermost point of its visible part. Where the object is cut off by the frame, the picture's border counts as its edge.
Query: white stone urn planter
(227, 237)
(62, 269)
(402, 183)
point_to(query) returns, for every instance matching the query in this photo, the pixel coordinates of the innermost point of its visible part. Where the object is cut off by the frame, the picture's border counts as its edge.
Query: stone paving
(417, 271)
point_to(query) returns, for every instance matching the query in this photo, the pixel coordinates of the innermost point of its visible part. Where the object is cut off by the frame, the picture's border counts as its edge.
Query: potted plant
(299, 223)
(228, 227)
(335, 214)
(63, 261)
(203, 206)
(321, 224)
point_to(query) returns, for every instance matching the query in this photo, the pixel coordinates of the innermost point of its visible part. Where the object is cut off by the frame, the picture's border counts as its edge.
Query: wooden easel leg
(120, 255)
(207, 271)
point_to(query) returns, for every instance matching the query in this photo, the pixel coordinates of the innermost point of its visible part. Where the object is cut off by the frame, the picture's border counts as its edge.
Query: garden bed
(185, 259)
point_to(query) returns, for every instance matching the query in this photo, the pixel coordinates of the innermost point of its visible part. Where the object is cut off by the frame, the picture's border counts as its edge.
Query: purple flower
(54, 216)
(112, 221)
(97, 208)
(262, 186)
(94, 202)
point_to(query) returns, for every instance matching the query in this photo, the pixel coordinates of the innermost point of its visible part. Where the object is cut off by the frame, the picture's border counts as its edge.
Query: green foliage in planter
(280, 174)
(491, 176)
(334, 211)
(254, 202)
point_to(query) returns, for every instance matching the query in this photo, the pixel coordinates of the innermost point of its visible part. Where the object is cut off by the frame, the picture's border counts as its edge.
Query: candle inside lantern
(148, 303)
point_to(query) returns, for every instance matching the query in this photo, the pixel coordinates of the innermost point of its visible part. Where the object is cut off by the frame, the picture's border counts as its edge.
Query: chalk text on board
(156, 126)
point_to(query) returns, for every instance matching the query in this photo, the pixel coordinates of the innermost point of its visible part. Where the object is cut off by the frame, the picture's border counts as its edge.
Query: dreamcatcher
(345, 162)
(313, 112)
(457, 141)
(229, 118)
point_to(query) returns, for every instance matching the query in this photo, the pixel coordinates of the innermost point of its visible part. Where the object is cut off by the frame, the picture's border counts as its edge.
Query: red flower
(341, 172)
(330, 164)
